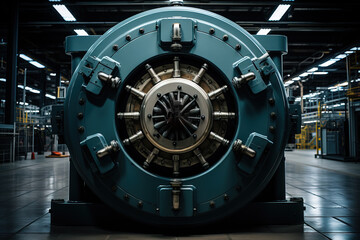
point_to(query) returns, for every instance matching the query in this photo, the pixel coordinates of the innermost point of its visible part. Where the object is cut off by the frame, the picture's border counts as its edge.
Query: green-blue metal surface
(129, 179)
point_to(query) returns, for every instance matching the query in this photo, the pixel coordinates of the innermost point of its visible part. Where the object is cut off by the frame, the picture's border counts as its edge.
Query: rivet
(271, 101)
(174, 143)
(141, 30)
(80, 115)
(202, 117)
(140, 204)
(116, 47)
(211, 31)
(212, 204)
(238, 47)
(273, 115)
(194, 136)
(225, 37)
(158, 95)
(149, 115)
(81, 101)
(226, 197)
(272, 129)
(179, 87)
(81, 129)
(128, 37)
(195, 96)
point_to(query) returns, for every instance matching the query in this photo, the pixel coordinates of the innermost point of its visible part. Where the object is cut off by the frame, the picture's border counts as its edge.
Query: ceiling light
(81, 32)
(320, 73)
(304, 74)
(53, 74)
(341, 56)
(279, 12)
(263, 31)
(26, 58)
(349, 52)
(313, 69)
(36, 64)
(2, 80)
(64, 12)
(329, 62)
(296, 79)
(50, 96)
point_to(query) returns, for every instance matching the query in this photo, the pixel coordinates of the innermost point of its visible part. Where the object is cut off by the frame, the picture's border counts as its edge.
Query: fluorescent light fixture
(81, 32)
(355, 48)
(320, 73)
(314, 69)
(341, 56)
(2, 80)
(349, 52)
(343, 84)
(304, 74)
(64, 12)
(288, 83)
(53, 74)
(21, 86)
(26, 58)
(263, 31)
(329, 62)
(296, 79)
(54, 0)
(33, 90)
(36, 64)
(279, 12)
(50, 96)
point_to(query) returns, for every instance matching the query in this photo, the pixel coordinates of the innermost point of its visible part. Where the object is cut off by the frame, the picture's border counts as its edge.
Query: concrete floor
(330, 190)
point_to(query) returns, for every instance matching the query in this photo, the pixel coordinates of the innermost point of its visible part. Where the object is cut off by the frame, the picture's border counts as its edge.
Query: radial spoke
(136, 92)
(212, 95)
(223, 115)
(157, 110)
(151, 157)
(185, 99)
(137, 136)
(194, 127)
(218, 138)
(185, 128)
(155, 78)
(201, 73)
(176, 72)
(194, 111)
(201, 158)
(158, 117)
(129, 115)
(187, 106)
(159, 124)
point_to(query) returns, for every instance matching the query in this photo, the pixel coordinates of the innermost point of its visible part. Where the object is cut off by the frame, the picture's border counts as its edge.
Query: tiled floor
(330, 190)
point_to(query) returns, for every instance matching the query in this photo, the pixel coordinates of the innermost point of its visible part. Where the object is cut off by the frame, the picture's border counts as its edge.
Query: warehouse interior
(321, 75)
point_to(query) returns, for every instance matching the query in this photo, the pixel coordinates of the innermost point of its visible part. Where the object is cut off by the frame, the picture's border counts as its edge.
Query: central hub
(176, 115)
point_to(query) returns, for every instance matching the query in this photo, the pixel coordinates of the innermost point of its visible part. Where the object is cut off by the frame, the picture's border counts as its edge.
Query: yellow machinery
(306, 139)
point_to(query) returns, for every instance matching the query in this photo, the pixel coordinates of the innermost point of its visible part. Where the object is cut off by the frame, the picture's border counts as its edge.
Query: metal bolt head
(116, 47)
(80, 115)
(225, 37)
(81, 129)
(158, 95)
(211, 31)
(141, 30)
(272, 129)
(128, 37)
(81, 101)
(194, 136)
(195, 96)
(271, 101)
(238, 47)
(202, 117)
(179, 87)
(140, 204)
(212, 204)
(174, 143)
(273, 115)
(149, 116)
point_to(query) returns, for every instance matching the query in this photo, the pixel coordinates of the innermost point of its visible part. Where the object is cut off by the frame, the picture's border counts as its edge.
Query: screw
(195, 96)
(81, 129)
(116, 47)
(211, 31)
(174, 143)
(179, 87)
(194, 136)
(128, 37)
(271, 101)
(212, 204)
(273, 115)
(149, 115)
(195, 26)
(238, 47)
(141, 30)
(158, 95)
(140, 204)
(225, 37)
(202, 117)
(80, 115)
(81, 101)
